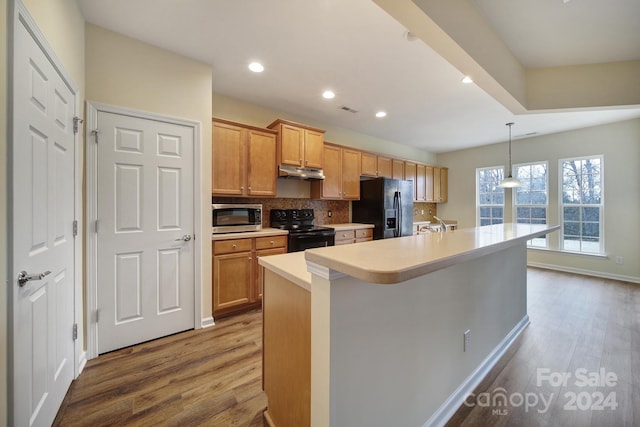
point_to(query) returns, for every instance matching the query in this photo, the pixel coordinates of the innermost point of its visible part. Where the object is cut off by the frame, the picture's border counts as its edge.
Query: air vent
(525, 135)
(349, 109)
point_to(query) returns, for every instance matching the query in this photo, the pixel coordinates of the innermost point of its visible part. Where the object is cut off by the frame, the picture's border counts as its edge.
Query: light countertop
(291, 266)
(265, 232)
(395, 260)
(349, 226)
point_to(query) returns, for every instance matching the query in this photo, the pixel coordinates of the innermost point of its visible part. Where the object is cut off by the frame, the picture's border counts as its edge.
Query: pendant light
(510, 181)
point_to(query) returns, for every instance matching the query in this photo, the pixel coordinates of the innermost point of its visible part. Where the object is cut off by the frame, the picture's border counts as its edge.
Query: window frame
(515, 205)
(562, 205)
(478, 206)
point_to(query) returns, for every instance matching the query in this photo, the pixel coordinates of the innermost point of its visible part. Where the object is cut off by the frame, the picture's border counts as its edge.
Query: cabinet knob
(234, 246)
(242, 187)
(306, 162)
(249, 258)
(271, 242)
(249, 188)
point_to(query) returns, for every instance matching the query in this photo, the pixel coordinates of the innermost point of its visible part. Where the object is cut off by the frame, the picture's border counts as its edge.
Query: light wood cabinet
(440, 184)
(429, 184)
(376, 166)
(421, 183)
(243, 160)
(347, 236)
(342, 174)
(237, 276)
(397, 169)
(299, 145)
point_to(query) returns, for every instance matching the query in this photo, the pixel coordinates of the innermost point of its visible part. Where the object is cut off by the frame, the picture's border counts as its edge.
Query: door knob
(186, 237)
(24, 277)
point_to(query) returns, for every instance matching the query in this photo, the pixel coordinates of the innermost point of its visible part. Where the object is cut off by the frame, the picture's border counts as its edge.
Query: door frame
(91, 155)
(20, 14)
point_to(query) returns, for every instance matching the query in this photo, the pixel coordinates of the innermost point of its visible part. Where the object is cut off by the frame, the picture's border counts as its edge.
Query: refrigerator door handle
(399, 213)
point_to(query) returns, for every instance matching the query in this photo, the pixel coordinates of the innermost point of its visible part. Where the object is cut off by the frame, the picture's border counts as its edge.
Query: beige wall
(620, 145)
(128, 73)
(256, 115)
(62, 24)
(4, 280)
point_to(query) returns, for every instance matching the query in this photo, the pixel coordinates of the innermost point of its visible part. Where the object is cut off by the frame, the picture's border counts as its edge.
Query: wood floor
(212, 377)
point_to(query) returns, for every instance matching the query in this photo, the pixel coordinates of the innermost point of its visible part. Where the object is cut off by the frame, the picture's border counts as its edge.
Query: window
(490, 197)
(582, 204)
(531, 200)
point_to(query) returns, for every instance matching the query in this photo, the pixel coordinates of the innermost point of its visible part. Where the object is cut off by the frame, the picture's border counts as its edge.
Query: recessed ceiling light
(467, 80)
(328, 94)
(256, 67)
(381, 114)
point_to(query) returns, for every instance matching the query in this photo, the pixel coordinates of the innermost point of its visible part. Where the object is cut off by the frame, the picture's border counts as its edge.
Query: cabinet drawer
(230, 246)
(345, 235)
(364, 233)
(271, 242)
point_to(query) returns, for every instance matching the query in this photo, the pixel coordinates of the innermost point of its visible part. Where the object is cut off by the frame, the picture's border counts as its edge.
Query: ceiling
(360, 52)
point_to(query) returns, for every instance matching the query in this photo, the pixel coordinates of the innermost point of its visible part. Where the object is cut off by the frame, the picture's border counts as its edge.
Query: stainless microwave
(231, 218)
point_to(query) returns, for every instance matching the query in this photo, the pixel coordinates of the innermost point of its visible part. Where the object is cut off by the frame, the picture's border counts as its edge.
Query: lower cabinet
(237, 277)
(346, 236)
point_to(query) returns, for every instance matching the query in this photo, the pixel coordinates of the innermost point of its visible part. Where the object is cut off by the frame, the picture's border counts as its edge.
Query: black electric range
(303, 234)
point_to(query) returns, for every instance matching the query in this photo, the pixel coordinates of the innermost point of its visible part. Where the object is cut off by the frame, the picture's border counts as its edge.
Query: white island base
(340, 350)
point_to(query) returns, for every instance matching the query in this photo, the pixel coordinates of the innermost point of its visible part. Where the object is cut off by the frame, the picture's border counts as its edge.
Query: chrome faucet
(443, 225)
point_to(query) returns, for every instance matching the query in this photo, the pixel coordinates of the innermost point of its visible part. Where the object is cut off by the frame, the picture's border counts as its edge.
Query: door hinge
(97, 226)
(95, 133)
(75, 227)
(75, 331)
(76, 122)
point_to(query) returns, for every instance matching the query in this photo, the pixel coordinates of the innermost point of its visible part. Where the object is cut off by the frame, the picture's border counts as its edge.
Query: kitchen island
(373, 334)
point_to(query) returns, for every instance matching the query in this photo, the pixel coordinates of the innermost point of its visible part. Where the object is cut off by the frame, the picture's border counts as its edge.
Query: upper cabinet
(440, 184)
(298, 145)
(342, 174)
(376, 166)
(397, 169)
(243, 160)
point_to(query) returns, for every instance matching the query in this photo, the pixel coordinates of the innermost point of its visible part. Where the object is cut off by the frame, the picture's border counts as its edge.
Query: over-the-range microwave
(231, 218)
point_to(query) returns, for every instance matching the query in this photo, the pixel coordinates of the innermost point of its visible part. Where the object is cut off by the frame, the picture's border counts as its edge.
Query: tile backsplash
(339, 208)
(424, 211)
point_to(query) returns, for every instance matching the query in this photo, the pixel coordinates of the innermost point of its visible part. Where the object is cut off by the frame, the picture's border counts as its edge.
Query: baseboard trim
(457, 398)
(207, 322)
(82, 362)
(584, 272)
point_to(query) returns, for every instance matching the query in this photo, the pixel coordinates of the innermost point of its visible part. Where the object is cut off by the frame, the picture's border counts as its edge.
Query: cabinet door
(351, 165)
(313, 149)
(397, 169)
(228, 164)
(332, 183)
(291, 145)
(259, 272)
(232, 279)
(384, 167)
(440, 184)
(369, 164)
(430, 183)
(410, 175)
(261, 164)
(420, 183)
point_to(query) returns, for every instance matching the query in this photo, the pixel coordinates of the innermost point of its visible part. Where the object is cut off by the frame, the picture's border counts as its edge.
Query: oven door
(302, 241)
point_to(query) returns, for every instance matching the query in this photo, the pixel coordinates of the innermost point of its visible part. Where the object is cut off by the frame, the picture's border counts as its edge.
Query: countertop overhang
(391, 261)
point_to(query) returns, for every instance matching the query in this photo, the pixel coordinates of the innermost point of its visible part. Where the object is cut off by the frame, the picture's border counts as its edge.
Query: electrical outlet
(619, 260)
(329, 214)
(467, 339)
(421, 211)
(430, 211)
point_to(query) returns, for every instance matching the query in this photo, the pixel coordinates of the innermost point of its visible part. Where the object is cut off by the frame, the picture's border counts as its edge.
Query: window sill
(560, 251)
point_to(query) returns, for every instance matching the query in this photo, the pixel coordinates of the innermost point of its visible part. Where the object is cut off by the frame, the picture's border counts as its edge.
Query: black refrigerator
(386, 203)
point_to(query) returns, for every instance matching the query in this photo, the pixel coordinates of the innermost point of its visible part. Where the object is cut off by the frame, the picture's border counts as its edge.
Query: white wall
(128, 73)
(256, 115)
(620, 145)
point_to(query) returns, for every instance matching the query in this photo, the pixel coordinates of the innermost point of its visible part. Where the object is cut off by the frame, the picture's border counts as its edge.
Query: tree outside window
(531, 200)
(582, 204)
(490, 197)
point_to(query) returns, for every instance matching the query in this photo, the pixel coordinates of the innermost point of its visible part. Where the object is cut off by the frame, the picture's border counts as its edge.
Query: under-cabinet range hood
(300, 173)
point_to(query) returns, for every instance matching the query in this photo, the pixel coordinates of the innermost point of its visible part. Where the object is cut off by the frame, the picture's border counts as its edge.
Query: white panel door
(42, 241)
(145, 266)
